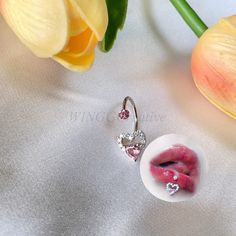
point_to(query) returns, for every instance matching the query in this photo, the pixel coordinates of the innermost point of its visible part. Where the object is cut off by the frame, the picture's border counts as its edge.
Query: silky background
(61, 172)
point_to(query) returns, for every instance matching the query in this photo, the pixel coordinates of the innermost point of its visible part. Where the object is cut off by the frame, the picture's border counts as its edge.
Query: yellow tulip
(66, 30)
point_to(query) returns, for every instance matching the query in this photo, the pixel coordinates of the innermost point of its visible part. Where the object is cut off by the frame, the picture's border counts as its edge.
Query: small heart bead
(172, 188)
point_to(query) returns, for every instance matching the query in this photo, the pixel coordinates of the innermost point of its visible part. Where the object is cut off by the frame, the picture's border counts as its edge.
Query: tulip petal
(79, 53)
(77, 25)
(214, 65)
(41, 25)
(1, 6)
(76, 64)
(94, 13)
(82, 44)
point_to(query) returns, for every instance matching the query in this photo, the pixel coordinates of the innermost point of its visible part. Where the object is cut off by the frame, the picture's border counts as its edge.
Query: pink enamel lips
(177, 165)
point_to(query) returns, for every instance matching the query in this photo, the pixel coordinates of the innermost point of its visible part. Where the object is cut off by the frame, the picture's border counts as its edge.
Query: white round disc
(159, 145)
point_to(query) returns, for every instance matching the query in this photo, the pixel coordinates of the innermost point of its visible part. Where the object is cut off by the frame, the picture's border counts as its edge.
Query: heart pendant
(132, 144)
(172, 188)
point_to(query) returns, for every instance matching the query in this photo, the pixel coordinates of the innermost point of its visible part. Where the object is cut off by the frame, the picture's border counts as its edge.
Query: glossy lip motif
(155, 148)
(177, 167)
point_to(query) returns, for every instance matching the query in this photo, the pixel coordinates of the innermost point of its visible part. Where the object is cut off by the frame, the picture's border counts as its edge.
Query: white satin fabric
(61, 172)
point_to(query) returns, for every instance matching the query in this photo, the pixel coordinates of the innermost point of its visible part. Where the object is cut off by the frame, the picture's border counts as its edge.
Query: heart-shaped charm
(133, 152)
(172, 188)
(132, 144)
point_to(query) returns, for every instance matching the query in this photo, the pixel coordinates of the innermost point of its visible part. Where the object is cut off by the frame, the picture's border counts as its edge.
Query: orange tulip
(213, 58)
(214, 65)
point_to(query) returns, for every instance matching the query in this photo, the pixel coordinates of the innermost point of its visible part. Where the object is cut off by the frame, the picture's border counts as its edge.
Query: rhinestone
(175, 177)
(124, 114)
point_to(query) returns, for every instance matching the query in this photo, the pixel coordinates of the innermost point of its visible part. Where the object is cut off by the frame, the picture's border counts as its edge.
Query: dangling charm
(131, 143)
(172, 188)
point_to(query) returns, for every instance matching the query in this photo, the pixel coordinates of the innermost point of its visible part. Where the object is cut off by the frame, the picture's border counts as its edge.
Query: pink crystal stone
(124, 114)
(133, 152)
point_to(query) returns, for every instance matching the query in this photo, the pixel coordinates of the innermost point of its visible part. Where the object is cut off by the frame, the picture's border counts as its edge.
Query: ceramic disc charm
(173, 168)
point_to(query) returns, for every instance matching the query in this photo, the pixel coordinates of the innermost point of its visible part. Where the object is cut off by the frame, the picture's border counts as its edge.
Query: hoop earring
(172, 167)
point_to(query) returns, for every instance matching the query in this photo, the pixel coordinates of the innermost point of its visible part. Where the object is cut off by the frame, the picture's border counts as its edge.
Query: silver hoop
(131, 143)
(124, 114)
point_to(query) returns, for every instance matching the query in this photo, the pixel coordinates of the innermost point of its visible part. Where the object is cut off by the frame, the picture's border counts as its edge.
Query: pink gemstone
(124, 114)
(133, 152)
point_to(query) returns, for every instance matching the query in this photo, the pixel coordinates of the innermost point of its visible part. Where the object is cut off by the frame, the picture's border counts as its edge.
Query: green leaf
(117, 10)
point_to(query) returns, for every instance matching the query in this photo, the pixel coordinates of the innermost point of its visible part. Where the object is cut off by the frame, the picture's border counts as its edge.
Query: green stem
(190, 17)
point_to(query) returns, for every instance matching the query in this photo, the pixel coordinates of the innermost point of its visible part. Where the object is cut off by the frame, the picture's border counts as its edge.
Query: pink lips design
(177, 165)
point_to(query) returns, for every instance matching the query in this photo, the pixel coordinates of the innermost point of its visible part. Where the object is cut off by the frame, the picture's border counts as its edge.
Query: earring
(172, 167)
(131, 143)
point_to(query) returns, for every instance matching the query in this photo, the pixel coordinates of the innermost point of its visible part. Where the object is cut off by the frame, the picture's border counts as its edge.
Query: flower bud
(214, 65)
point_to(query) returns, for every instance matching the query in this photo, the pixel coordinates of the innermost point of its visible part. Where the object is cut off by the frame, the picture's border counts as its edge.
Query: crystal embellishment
(172, 188)
(132, 143)
(124, 114)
